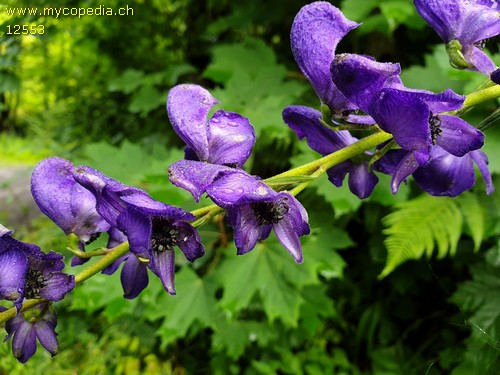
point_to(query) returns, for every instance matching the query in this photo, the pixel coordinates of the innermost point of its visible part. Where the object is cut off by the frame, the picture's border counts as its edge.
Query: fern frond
(474, 215)
(418, 226)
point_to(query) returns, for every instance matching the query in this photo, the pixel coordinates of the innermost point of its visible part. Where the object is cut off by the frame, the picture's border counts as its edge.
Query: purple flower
(444, 175)
(413, 117)
(316, 31)
(464, 25)
(152, 228)
(24, 329)
(27, 272)
(305, 122)
(66, 202)
(226, 138)
(254, 209)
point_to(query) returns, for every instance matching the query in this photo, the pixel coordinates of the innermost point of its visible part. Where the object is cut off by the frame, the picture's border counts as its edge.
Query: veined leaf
(418, 226)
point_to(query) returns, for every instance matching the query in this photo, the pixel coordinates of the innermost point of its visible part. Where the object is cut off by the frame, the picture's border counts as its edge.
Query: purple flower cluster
(222, 145)
(437, 148)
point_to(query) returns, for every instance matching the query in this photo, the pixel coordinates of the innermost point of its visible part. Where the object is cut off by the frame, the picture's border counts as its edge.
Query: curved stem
(479, 97)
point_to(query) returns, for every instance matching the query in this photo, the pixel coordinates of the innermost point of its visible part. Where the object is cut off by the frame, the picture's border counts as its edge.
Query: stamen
(35, 281)
(435, 127)
(164, 235)
(270, 212)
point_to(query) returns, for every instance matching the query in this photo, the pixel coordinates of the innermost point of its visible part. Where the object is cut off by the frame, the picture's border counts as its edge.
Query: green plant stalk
(479, 97)
(90, 271)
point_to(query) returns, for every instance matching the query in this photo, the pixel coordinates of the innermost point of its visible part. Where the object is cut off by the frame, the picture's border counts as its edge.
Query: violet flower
(444, 175)
(226, 138)
(152, 228)
(464, 25)
(66, 202)
(24, 329)
(305, 122)
(255, 209)
(413, 117)
(27, 272)
(316, 30)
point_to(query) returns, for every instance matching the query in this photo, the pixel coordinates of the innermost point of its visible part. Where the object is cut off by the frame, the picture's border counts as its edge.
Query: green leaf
(417, 226)
(269, 272)
(146, 99)
(129, 81)
(194, 303)
(474, 216)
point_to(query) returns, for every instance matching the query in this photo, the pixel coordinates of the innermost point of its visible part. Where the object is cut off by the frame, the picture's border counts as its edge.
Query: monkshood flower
(414, 117)
(254, 209)
(444, 175)
(24, 329)
(66, 202)
(27, 272)
(152, 228)
(305, 122)
(316, 30)
(464, 25)
(226, 138)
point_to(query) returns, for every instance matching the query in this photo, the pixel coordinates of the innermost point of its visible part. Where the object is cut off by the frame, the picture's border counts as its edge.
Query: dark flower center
(435, 127)
(164, 236)
(270, 212)
(480, 44)
(35, 281)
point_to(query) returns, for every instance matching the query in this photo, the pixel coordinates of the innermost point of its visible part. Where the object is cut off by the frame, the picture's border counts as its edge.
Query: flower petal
(13, 270)
(406, 167)
(134, 277)
(362, 181)
(189, 241)
(24, 342)
(47, 336)
(188, 107)
(285, 231)
(458, 137)
(58, 284)
(246, 229)
(163, 266)
(230, 139)
(195, 176)
(138, 229)
(305, 122)
(481, 160)
(316, 31)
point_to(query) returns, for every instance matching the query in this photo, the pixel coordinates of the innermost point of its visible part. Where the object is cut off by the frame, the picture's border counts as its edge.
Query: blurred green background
(93, 90)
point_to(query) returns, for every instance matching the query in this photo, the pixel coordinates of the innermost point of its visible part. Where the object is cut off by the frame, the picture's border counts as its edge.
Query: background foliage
(390, 285)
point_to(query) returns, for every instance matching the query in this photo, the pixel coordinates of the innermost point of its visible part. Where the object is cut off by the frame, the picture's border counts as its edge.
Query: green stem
(479, 97)
(336, 157)
(113, 255)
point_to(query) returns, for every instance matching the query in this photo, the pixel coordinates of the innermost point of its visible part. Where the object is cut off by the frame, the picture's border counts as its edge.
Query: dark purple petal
(47, 336)
(13, 270)
(239, 188)
(445, 174)
(296, 213)
(188, 107)
(195, 176)
(285, 231)
(189, 241)
(305, 122)
(445, 16)
(58, 284)
(24, 342)
(362, 181)
(230, 139)
(63, 200)
(246, 229)
(405, 167)
(457, 136)
(481, 160)
(495, 76)
(138, 229)
(360, 78)
(406, 118)
(316, 31)
(47, 263)
(337, 173)
(481, 61)
(448, 100)
(163, 266)
(134, 277)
